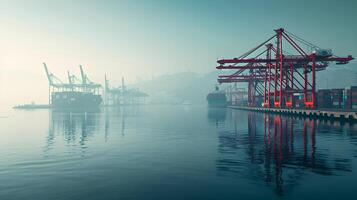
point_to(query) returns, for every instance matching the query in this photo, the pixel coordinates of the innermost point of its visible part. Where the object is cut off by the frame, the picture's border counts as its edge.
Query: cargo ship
(75, 100)
(75, 95)
(217, 98)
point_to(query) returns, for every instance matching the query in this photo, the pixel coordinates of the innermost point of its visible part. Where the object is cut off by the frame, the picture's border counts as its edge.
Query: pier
(348, 115)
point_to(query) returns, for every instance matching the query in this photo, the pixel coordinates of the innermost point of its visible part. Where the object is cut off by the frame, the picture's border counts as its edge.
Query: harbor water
(174, 152)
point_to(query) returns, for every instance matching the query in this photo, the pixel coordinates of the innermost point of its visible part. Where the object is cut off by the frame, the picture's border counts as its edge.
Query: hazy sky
(141, 39)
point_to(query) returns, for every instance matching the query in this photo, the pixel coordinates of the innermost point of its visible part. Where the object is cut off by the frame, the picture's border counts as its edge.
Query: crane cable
(307, 43)
(255, 48)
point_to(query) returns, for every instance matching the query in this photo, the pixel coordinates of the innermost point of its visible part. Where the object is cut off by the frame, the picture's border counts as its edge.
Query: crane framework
(235, 95)
(74, 84)
(122, 95)
(275, 75)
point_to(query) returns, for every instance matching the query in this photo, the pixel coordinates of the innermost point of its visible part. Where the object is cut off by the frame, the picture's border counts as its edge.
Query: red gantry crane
(275, 75)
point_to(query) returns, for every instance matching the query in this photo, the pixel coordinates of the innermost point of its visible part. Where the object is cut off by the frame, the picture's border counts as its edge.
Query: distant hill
(193, 87)
(180, 87)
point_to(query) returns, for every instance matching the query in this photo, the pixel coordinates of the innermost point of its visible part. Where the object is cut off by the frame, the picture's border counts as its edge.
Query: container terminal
(279, 81)
(122, 95)
(84, 94)
(81, 94)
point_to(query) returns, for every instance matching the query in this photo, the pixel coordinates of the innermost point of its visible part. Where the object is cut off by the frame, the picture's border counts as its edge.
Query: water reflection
(119, 115)
(74, 128)
(77, 128)
(216, 115)
(279, 151)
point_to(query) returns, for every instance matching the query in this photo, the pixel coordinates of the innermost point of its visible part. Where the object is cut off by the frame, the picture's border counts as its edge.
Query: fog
(147, 40)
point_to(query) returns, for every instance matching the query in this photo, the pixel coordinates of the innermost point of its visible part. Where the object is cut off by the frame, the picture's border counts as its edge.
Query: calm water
(174, 152)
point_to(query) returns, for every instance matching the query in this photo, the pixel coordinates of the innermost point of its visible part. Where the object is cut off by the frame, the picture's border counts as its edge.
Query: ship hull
(217, 99)
(75, 101)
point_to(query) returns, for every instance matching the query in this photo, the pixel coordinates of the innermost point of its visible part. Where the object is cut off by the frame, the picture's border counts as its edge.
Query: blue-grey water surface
(174, 152)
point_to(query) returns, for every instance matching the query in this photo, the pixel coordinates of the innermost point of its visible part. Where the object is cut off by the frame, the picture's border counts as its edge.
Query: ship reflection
(216, 115)
(115, 118)
(277, 151)
(78, 128)
(74, 128)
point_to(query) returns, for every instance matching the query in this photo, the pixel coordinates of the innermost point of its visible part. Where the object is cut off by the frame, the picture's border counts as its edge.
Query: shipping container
(354, 97)
(324, 98)
(348, 100)
(337, 98)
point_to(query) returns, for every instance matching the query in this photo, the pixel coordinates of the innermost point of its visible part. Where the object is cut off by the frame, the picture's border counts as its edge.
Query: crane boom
(48, 74)
(84, 78)
(69, 78)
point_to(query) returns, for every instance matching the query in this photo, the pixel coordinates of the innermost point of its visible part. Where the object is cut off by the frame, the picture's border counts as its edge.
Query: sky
(141, 39)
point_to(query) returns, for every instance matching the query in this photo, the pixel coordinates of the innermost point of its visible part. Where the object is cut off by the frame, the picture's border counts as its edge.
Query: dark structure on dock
(307, 113)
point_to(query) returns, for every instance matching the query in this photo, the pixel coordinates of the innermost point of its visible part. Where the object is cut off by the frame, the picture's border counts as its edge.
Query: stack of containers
(348, 99)
(324, 98)
(337, 98)
(354, 97)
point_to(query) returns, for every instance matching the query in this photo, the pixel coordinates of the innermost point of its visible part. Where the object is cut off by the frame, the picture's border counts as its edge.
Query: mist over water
(163, 55)
(174, 152)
